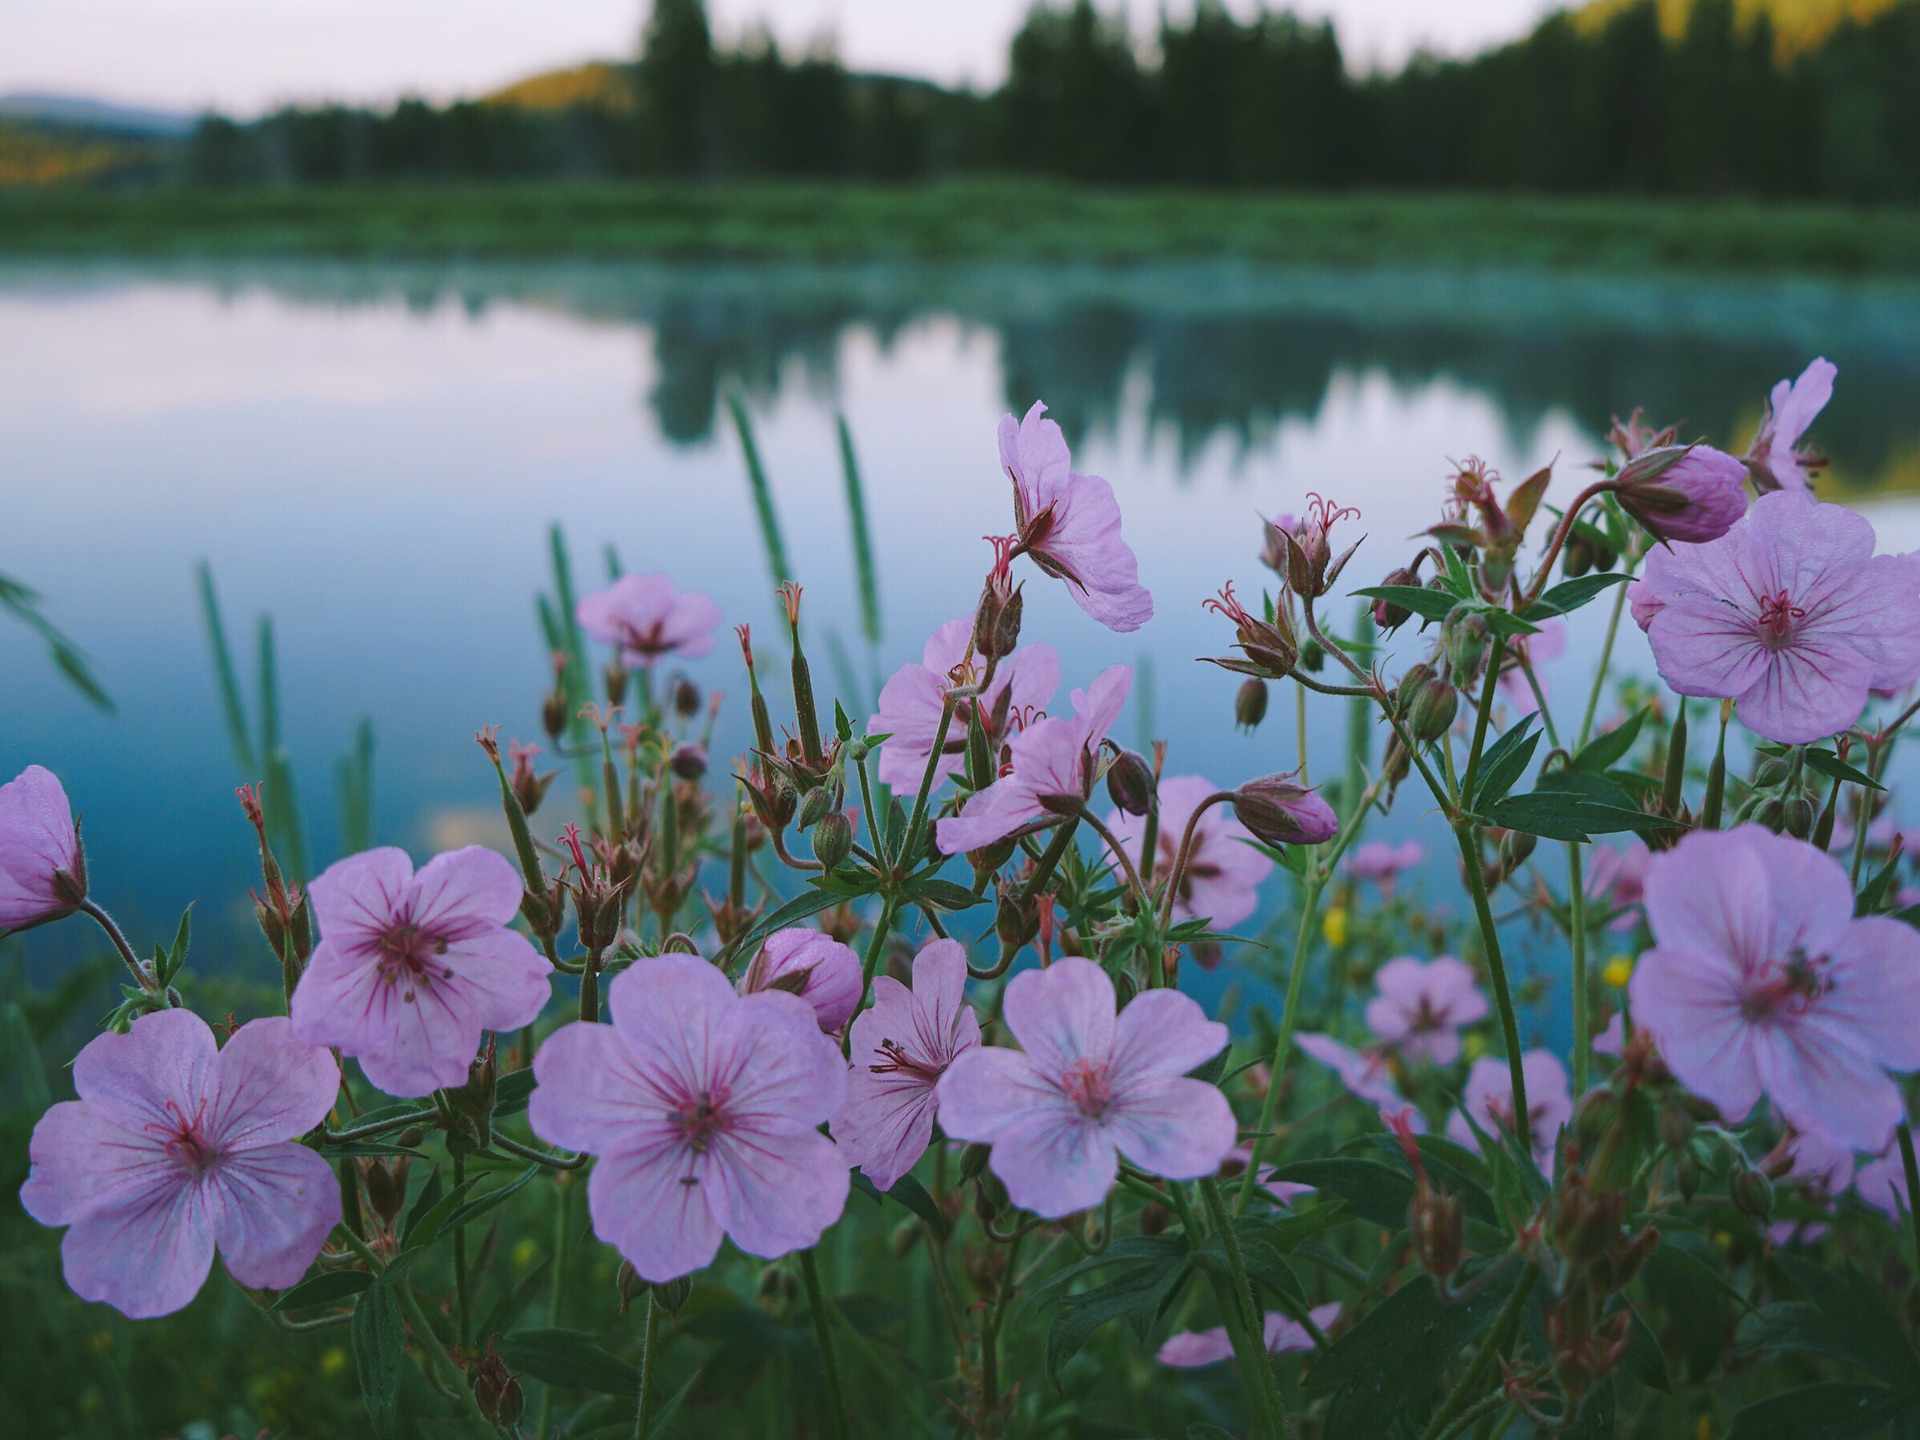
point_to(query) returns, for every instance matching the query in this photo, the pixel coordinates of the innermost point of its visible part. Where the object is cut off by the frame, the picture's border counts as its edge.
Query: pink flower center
(1789, 987)
(406, 957)
(703, 1120)
(898, 1062)
(650, 642)
(1778, 618)
(1085, 1084)
(1426, 1018)
(185, 1139)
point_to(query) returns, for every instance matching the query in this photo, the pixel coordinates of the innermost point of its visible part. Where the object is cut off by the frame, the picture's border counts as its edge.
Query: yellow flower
(1617, 972)
(525, 1251)
(333, 1362)
(1334, 926)
(1474, 1046)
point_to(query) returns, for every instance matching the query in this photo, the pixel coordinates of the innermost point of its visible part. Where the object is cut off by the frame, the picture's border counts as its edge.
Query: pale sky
(245, 56)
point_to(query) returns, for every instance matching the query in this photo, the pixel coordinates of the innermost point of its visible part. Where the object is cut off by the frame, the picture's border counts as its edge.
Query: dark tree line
(1213, 101)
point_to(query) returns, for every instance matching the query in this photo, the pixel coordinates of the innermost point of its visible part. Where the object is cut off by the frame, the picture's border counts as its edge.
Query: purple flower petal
(271, 1209)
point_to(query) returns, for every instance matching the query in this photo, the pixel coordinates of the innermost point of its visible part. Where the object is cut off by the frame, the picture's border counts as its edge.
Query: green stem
(823, 1333)
(1282, 1045)
(443, 1368)
(877, 945)
(557, 1294)
(1300, 724)
(643, 1418)
(1913, 1187)
(1577, 928)
(1606, 656)
(1497, 968)
(462, 1310)
(105, 921)
(1498, 1339)
(1251, 1347)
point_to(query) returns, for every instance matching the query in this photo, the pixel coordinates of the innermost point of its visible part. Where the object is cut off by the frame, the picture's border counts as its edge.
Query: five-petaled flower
(1223, 874)
(1790, 613)
(909, 713)
(1054, 764)
(1421, 1006)
(1762, 982)
(1489, 1100)
(1384, 864)
(1088, 1086)
(644, 617)
(43, 874)
(176, 1148)
(900, 1048)
(411, 969)
(1069, 524)
(704, 1108)
(1773, 459)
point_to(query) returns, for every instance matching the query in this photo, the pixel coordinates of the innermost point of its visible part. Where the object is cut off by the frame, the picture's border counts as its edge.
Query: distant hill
(599, 83)
(1798, 25)
(97, 115)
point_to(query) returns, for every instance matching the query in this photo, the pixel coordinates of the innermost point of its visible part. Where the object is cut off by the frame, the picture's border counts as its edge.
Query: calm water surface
(373, 455)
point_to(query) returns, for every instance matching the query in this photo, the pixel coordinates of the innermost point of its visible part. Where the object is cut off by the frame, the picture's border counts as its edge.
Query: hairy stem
(1250, 1345)
(643, 1416)
(823, 1333)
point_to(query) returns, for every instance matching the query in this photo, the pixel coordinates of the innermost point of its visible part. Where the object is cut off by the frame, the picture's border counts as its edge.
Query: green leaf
(569, 1359)
(505, 1310)
(1375, 1192)
(1427, 604)
(762, 495)
(945, 894)
(1834, 768)
(327, 1289)
(1865, 1329)
(1135, 1296)
(911, 1193)
(377, 1334)
(1505, 623)
(1570, 595)
(1830, 1410)
(1390, 1362)
(1550, 814)
(1210, 1072)
(474, 1209)
(511, 1091)
(1603, 750)
(428, 1197)
(862, 541)
(1644, 1360)
(426, 1226)
(791, 913)
(1505, 761)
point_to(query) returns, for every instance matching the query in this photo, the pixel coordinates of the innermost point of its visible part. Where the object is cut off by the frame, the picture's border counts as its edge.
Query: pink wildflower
(702, 1106)
(1366, 1076)
(43, 875)
(1612, 1040)
(1549, 643)
(1617, 876)
(901, 1047)
(1023, 686)
(1054, 764)
(1684, 493)
(175, 1149)
(1070, 524)
(1088, 1086)
(1489, 1100)
(816, 967)
(411, 969)
(646, 618)
(1790, 613)
(1193, 1348)
(1761, 981)
(1421, 1006)
(1224, 873)
(1772, 459)
(1384, 864)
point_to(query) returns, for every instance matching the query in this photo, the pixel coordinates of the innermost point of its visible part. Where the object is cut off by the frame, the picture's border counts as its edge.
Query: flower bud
(996, 622)
(1466, 637)
(410, 1137)
(688, 761)
(1576, 558)
(1596, 1115)
(670, 1295)
(1282, 813)
(833, 839)
(384, 1191)
(1250, 703)
(1751, 1192)
(496, 1393)
(1515, 847)
(973, 1160)
(1434, 1226)
(628, 1284)
(616, 677)
(553, 714)
(903, 1238)
(815, 806)
(685, 698)
(1408, 690)
(1797, 816)
(1130, 781)
(1686, 493)
(1433, 710)
(1676, 1127)
(1313, 657)
(1386, 614)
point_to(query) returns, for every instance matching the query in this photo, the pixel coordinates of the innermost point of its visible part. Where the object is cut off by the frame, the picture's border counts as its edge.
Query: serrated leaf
(1373, 1191)
(328, 1289)
(1135, 1295)
(377, 1334)
(791, 913)
(1427, 604)
(1834, 768)
(1505, 761)
(1570, 595)
(569, 1359)
(1599, 753)
(1864, 1327)
(1507, 624)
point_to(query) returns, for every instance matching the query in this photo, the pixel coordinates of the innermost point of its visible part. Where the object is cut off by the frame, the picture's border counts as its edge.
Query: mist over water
(373, 454)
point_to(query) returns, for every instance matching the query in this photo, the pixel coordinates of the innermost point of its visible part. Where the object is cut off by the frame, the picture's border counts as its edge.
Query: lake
(373, 455)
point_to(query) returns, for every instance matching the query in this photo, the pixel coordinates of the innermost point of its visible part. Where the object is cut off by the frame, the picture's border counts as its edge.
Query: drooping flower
(1223, 876)
(702, 1106)
(1087, 1086)
(1365, 1075)
(1070, 524)
(1488, 1098)
(1191, 1349)
(1790, 613)
(1684, 493)
(411, 968)
(1282, 813)
(901, 1047)
(175, 1149)
(1054, 764)
(816, 967)
(1762, 982)
(1023, 686)
(1421, 1006)
(43, 874)
(1617, 876)
(1773, 460)
(1384, 864)
(646, 618)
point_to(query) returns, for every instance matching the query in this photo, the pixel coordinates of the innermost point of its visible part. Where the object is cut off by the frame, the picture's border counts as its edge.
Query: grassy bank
(974, 220)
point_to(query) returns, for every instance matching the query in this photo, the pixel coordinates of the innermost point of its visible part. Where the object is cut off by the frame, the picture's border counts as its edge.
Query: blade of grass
(762, 495)
(230, 707)
(68, 658)
(862, 539)
(355, 775)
